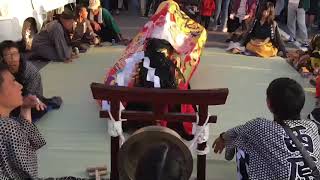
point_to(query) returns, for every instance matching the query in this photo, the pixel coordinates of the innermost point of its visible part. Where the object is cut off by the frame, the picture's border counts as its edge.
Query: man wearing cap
(53, 42)
(103, 23)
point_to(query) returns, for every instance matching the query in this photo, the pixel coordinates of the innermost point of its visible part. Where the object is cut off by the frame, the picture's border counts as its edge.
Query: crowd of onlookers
(62, 39)
(74, 31)
(254, 29)
(22, 101)
(253, 24)
(263, 148)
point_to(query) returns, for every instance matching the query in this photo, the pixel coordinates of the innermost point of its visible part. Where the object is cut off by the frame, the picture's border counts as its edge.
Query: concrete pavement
(76, 136)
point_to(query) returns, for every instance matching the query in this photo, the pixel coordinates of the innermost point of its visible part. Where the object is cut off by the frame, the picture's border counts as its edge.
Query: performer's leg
(301, 21)
(279, 7)
(125, 5)
(217, 14)
(202, 20)
(225, 14)
(149, 2)
(207, 21)
(292, 20)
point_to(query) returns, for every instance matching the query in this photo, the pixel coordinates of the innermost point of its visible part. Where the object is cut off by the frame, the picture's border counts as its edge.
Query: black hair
(286, 98)
(154, 44)
(7, 44)
(266, 6)
(165, 68)
(160, 162)
(3, 68)
(79, 9)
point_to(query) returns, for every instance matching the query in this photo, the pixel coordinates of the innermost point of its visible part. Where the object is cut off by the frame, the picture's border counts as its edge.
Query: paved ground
(76, 136)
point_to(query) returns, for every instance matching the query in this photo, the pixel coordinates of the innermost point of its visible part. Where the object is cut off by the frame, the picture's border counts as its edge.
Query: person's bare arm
(25, 113)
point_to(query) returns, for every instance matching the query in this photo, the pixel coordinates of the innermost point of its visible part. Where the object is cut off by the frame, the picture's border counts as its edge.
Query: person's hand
(218, 145)
(96, 26)
(281, 54)
(246, 17)
(232, 15)
(267, 40)
(29, 101)
(96, 40)
(32, 101)
(74, 55)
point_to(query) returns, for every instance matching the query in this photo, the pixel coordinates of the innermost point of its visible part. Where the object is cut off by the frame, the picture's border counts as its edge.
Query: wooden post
(114, 175)
(201, 159)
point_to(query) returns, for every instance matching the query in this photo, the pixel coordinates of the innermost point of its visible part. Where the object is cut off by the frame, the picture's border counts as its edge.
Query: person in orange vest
(207, 8)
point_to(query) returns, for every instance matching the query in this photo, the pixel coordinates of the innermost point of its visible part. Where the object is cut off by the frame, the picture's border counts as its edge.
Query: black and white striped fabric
(152, 76)
(315, 116)
(242, 165)
(269, 153)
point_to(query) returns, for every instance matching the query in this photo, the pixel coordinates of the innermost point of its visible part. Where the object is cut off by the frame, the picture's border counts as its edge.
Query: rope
(201, 135)
(114, 127)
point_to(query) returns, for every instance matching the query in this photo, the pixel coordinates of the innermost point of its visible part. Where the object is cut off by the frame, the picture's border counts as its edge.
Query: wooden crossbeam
(149, 115)
(159, 96)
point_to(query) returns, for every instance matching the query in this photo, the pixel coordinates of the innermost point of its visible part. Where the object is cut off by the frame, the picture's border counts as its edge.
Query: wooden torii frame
(159, 99)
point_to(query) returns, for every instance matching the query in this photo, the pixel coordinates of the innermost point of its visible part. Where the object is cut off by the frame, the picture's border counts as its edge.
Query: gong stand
(160, 99)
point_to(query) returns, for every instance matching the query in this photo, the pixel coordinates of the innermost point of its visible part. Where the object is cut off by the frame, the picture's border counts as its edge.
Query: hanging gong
(151, 147)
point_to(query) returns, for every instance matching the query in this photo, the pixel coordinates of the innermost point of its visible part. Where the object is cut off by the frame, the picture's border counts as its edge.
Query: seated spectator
(28, 75)
(83, 34)
(307, 62)
(53, 42)
(104, 24)
(20, 138)
(242, 13)
(264, 149)
(264, 39)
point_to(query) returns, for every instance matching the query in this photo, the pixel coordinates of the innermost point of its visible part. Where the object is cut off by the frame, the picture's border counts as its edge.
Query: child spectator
(207, 9)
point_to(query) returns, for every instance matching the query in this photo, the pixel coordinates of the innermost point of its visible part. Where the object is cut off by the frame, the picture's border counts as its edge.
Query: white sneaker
(225, 30)
(214, 28)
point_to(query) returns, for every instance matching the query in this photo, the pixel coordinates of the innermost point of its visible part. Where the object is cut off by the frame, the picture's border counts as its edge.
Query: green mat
(76, 136)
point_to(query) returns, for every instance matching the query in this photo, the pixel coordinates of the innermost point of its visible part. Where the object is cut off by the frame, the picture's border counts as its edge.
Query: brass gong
(143, 140)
